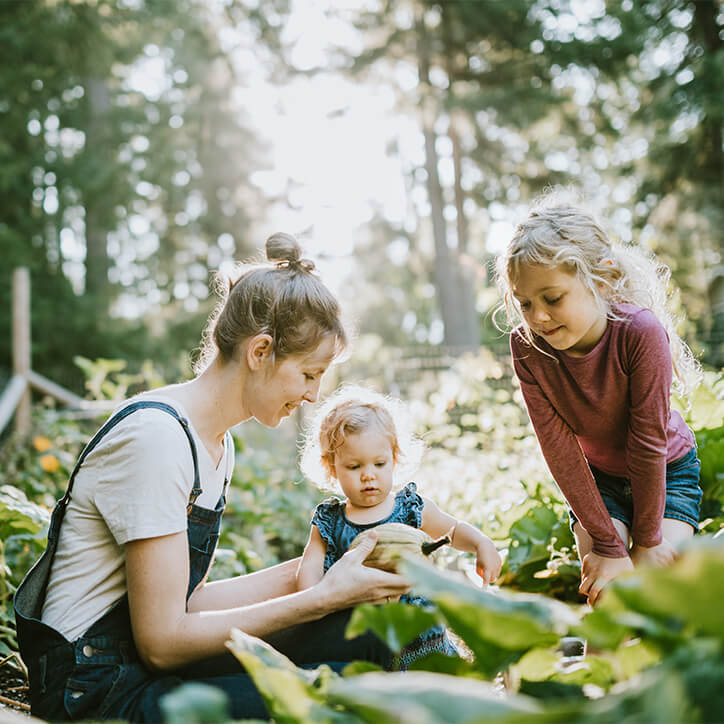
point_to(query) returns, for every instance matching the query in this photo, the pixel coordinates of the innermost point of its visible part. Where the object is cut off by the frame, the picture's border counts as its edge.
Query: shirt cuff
(648, 541)
(610, 549)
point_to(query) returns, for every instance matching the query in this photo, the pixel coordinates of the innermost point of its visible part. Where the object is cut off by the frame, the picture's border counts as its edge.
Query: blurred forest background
(135, 159)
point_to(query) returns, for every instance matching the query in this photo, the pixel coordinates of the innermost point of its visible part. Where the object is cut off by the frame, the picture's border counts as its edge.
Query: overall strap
(119, 417)
(229, 463)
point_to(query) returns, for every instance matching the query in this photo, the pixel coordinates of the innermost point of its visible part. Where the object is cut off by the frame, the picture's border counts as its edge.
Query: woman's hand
(348, 582)
(656, 556)
(489, 562)
(597, 571)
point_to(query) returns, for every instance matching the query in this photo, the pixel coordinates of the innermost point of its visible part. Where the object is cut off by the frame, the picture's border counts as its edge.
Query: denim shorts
(683, 492)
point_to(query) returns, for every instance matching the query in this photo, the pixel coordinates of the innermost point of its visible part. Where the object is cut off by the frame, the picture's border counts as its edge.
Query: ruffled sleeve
(410, 506)
(327, 516)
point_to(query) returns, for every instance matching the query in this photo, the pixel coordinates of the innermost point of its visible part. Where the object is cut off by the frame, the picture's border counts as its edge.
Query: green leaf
(420, 697)
(18, 514)
(195, 703)
(635, 656)
(497, 626)
(360, 667)
(687, 594)
(537, 665)
(602, 629)
(397, 624)
(289, 692)
(443, 664)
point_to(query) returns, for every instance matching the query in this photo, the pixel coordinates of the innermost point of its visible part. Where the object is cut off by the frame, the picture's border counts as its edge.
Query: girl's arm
(464, 537)
(566, 460)
(650, 374)
(311, 566)
(168, 635)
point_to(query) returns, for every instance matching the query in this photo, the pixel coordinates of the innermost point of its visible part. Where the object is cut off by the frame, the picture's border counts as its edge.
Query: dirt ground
(13, 690)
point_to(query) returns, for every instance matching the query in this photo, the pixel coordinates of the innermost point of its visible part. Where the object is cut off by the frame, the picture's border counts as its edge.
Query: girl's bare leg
(585, 544)
(676, 531)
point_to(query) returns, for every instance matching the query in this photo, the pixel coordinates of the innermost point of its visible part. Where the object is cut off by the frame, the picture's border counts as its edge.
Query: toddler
(362, 441)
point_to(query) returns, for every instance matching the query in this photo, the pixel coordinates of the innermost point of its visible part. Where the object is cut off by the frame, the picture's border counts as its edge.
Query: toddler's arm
(311, 566)
(464, 537)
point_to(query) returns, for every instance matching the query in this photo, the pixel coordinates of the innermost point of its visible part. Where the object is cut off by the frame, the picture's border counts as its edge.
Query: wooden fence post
(21, 343)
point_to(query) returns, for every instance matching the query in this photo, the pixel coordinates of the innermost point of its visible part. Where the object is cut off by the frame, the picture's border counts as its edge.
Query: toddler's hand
(597, 571)
(656, 556)
(489, 562)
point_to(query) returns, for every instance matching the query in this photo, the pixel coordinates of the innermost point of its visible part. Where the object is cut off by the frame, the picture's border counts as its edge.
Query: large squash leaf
(499, 627)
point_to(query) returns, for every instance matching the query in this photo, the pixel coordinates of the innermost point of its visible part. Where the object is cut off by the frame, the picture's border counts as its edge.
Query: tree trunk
(448, 276)
(464, 265)
(97, 263)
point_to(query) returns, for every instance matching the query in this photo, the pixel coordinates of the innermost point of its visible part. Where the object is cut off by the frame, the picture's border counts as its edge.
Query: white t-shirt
(134, 484)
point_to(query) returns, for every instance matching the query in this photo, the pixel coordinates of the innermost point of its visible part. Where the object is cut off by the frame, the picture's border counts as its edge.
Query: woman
(118, 612)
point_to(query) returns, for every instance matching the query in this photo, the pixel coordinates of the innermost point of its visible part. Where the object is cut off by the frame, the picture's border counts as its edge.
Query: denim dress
(337, 531)
(101, 676)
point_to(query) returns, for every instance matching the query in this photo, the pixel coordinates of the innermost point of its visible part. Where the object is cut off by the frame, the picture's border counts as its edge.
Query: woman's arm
(244, 590)
(463, 537)
(311, 566)
(168, 636)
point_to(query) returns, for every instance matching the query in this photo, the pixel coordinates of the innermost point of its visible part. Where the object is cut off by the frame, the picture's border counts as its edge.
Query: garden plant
(655, 645)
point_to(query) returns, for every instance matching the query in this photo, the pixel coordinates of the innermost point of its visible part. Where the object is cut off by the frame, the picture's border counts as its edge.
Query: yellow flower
(49, 463)
(41, 444)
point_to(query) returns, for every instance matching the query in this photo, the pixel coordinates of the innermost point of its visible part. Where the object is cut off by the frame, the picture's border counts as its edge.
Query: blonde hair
(562, 234)
(349, 411)
(282, 297)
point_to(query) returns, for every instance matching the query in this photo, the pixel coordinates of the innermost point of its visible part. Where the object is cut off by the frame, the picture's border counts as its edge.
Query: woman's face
(291, 382)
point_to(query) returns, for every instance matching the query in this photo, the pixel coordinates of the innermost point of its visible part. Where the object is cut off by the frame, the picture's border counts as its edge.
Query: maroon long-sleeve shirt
(609, 408)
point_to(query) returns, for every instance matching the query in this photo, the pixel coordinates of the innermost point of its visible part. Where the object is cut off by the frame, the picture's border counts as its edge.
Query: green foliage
(711, 454)
(498, 627)
(397, 624)
(195, 703)
(672, 673)
(23, 527)
(541, 556)
(269, 506)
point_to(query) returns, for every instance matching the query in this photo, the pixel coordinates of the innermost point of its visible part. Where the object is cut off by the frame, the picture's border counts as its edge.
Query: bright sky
(329, 136)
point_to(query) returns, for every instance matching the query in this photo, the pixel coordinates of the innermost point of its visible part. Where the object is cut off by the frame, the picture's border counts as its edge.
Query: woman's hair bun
(283, 247)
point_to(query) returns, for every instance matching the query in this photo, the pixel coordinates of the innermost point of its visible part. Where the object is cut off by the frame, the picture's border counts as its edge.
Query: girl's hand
(489, 562)
(657, 556)
(597, 571)
(348, 582)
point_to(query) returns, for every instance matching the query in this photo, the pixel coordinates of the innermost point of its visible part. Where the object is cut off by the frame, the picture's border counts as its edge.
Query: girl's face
(363, 465)
(559, 308)
(288, 384)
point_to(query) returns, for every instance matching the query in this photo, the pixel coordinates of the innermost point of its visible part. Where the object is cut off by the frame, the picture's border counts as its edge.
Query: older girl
(595, 355)
(118, 611)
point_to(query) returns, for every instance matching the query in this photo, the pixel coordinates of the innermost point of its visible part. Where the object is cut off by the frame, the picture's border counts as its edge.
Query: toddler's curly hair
(350, 410)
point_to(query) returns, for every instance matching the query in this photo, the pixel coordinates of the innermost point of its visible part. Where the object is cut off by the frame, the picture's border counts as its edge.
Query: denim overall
(101, 676)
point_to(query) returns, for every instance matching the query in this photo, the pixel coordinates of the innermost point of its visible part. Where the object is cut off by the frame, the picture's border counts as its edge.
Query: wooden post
(21, 343)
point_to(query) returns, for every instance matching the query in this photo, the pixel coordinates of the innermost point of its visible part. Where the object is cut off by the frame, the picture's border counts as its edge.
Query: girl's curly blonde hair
(559, 233)
(350, 410)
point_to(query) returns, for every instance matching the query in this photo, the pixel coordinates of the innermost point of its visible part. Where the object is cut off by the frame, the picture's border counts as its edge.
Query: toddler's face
(363, 466)
(558, 307)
